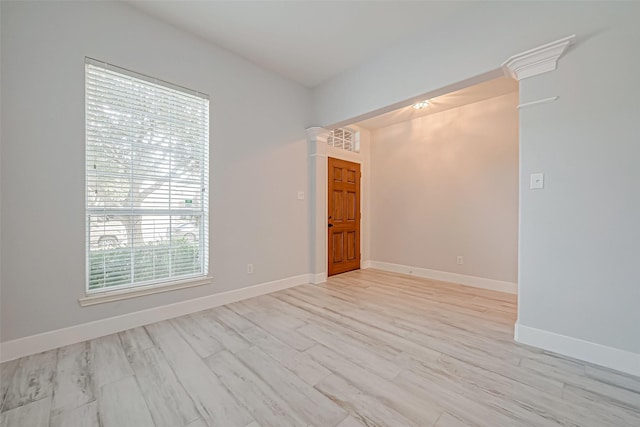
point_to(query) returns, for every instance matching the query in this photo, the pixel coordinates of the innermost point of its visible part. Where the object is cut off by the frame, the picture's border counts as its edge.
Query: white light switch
(537, 181)
(300, 195)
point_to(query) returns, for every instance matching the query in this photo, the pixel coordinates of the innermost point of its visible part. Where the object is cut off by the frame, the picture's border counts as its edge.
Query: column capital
(537, 60)
(317, 133)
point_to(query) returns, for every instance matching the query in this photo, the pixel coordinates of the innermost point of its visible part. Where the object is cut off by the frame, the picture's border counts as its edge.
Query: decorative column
(318, 149)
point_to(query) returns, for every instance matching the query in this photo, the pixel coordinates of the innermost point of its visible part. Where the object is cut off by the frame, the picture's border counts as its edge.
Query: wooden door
(344, 216)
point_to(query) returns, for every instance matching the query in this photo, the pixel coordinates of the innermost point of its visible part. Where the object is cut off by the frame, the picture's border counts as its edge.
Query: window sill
(120, 294)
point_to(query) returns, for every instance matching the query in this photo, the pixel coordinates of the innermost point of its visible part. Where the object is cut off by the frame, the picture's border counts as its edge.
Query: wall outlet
(300, 195)
(460, 260)
(249, 268)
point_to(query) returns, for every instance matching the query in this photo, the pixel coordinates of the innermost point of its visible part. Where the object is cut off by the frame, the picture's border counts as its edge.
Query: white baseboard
(318, 278)
(477, 282)
(33, 344)
(609, 357)
(366, 264)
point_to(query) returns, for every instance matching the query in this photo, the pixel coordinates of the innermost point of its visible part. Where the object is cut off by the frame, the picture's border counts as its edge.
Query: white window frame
(337, 139)
(133, 288)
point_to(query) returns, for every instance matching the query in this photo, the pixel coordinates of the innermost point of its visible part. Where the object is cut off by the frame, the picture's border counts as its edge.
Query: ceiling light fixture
(420, 105)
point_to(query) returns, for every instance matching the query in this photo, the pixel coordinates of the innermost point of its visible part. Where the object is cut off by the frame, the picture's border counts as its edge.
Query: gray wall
(579, 237)
(258, 158)
(446, 184)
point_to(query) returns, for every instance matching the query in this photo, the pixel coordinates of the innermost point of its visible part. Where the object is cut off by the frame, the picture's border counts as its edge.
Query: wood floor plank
(419, 410)
(603, 411)
(412, 313)
(387, 298)
(121, 404)
(108, 361)
(231, 319)
(84, 416)
(362, 406)
(461, 333)
(197, 335)
(453, 400)
(266, 307)
(464, 351)
(351, 422)
(7, 370)
(363, 355)
(311, 405)
(355, 329)
(448, 420)
(407, 314)
(239, 307)
(473, 406)
(297, 362)
(265, 405)
(505, 394)
(225, 335)
(579, 380)
(33, 414)
(168, 402)
(337, 308)
(210, 396)
(32, 380)
(274, 307)
(73, 386)
(135, 340)
(361, 326)
(281, 327)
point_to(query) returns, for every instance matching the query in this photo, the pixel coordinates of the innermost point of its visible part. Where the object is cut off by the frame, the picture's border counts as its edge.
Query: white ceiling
(306, 41)
(468, 95)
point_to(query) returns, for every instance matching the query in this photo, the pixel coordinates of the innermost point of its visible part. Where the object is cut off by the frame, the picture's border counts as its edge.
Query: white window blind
(345, 139)
(147, 154)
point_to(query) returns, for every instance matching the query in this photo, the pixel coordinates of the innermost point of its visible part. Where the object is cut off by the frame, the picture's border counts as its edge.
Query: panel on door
(344, 216)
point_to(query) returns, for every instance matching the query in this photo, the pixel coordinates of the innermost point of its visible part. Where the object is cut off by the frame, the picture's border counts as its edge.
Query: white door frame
(319, 152)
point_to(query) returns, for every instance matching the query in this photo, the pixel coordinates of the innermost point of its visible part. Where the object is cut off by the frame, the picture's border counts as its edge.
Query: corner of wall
(609, 357)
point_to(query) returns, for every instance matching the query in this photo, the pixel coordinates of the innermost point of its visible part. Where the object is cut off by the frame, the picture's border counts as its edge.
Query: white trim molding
(538, 102)
(120, 294)
(317, 133)
(318, 278)
(609, 357)
(444, 276)
(538, 60)
(33, 344)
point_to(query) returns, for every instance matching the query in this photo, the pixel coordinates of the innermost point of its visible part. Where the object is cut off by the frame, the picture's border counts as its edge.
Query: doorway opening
(440, 189)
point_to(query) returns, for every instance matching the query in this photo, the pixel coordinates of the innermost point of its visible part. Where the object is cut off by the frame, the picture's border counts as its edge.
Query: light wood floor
(369, 348)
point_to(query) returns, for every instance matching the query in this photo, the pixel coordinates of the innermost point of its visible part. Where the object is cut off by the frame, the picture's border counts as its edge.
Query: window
(345, 139)
(147, 167)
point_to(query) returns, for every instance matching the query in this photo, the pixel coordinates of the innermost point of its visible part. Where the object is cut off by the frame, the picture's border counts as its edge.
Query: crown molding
(538, 60)
(317, 134)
